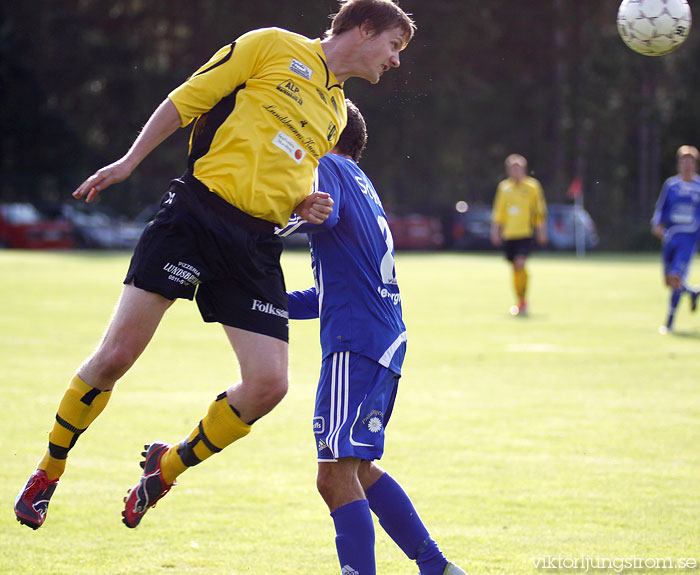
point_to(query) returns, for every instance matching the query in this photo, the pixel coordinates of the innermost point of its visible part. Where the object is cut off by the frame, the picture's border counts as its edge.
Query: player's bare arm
(541, 234)
(162, 123)
(658, 231)
(496, 235)
(315, 208)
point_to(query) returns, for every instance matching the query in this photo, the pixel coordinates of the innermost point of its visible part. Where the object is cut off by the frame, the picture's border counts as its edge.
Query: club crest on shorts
(374, 421)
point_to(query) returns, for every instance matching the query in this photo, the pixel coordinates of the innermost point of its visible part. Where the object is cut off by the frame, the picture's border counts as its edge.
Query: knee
(328, 483)
(269, 390)
(110, 363)
(324, 484)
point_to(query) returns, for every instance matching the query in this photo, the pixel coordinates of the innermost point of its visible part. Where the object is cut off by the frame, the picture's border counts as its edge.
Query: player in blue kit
(676, 221)
(363, 340)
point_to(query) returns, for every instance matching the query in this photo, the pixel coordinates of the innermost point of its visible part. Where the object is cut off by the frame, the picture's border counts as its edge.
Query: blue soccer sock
(355, 538)
(675, 298)
(399, 518)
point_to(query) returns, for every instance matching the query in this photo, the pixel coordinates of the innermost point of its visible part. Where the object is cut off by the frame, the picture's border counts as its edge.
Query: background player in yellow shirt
(519, 213)
(265, 109)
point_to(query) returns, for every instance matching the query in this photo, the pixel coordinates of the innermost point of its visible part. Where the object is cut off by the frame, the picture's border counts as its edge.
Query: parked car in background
(564, 221)
(23, 226)
(94, 228)
(416, 232)
(470, 228)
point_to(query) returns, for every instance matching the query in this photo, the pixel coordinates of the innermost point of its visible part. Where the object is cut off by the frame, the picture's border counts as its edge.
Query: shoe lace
(40, 483)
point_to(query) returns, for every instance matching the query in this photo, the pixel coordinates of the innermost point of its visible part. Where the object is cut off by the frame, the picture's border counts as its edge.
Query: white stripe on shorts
(340, 390)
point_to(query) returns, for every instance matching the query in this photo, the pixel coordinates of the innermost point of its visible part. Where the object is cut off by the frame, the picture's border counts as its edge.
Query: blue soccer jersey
(356, 294)
(678, 207)
(678, 211)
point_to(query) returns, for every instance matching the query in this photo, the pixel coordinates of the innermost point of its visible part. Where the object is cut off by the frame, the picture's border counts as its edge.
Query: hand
(658, 231)
(542, 238)
(101, 179)
(315, 208)
(496, 238)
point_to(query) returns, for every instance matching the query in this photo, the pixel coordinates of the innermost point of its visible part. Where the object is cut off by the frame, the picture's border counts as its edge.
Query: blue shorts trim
(354, 401)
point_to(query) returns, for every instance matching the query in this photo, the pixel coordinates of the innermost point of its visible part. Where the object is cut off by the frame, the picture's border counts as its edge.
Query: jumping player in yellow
(519, 213)
(265, 109)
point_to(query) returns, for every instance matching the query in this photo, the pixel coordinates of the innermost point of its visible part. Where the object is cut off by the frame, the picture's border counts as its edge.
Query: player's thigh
(260, 357)
(136, 318)
(131, 328)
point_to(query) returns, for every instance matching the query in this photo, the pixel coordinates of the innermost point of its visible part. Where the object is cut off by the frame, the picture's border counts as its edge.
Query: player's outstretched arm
(315, 208)
(162, 123)
(303, 304)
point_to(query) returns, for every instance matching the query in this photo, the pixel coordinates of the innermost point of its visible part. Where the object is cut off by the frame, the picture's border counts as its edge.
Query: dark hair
(353, 138)
(380, 15)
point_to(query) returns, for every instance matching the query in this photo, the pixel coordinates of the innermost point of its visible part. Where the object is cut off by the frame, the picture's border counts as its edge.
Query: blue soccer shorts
(678, 252)
(354, 401)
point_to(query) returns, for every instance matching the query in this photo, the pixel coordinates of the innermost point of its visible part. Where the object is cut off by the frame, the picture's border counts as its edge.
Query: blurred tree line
(549, 79)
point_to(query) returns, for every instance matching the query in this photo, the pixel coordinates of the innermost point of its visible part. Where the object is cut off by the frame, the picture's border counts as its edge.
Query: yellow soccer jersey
(266, 108)
(519, 208)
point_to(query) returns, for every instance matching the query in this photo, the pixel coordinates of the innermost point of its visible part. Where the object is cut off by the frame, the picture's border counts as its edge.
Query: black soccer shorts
(519, 247)
(200, 246)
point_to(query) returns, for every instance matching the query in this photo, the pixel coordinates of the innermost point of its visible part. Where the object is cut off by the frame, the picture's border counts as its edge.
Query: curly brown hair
(353, 138)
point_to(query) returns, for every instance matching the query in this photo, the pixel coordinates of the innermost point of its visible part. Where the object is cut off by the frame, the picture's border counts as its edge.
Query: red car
(23, 226)
(416, 232)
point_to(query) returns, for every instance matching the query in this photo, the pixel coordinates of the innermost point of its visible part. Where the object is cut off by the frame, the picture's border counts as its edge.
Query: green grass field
(573, 432)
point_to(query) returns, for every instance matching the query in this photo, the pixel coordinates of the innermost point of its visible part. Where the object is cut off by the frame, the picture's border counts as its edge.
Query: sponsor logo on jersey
(289, 146)
(182, 273)
(332, 131)
(322, 95)
(300, 68)
(393, 297)
(267, 307)
(319, 425)
(335, 106)
(289, 88)
(289, 123)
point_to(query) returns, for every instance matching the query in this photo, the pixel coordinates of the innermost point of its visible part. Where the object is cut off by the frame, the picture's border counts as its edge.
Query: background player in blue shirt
(676, 221)
(363, 340)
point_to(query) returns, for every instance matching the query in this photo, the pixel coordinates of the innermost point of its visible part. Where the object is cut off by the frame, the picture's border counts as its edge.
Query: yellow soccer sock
(79, 407)
(520, 283)
(220, 427)
(523, 283)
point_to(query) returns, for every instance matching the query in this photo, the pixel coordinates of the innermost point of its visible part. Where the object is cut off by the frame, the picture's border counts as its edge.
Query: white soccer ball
(654, 27)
